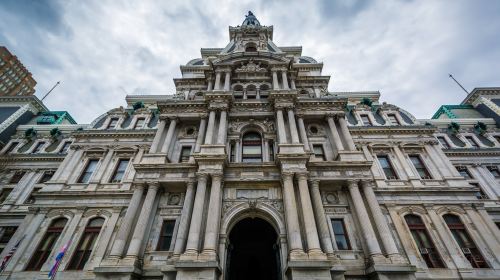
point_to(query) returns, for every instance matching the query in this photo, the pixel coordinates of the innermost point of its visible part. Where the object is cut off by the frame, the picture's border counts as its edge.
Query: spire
(250, 19)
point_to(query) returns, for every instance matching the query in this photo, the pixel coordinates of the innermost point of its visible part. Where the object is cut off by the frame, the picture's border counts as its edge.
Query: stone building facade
(252, 170)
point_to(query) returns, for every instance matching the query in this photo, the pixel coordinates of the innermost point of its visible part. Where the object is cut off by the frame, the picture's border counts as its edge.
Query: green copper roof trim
(61, 116)
(446, 109)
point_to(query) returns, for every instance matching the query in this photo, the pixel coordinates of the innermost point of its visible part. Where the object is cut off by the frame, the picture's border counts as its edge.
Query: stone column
(292, 82)
(227, 80)
(217, 81)
(346, 134)
(265, 152)
(303, 134)
(293, 126)
(319, 214)
(128, 219)
(335, 134)
(187, 209)
(158, 135)
(292, 219)
(486, 235)
(221, 136)
(210, 129)
(99, 176)
(364, 221)
(275, 79)
(213, 217)
(141, 225)
(404, 163)
(197, 216)
(281, 126)
(201, 134)
(489, 222)
(238, 150)
(285, 79)
(437, 161)
(380, 222)
(308, 216)
(170, 135)
(210, 84)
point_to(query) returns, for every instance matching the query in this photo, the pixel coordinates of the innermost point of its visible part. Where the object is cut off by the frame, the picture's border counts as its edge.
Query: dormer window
(112, 124)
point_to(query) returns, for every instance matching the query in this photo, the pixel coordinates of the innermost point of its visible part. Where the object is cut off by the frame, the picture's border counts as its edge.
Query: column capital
(172, 118)
(287, 174)
(217, 176)
(330, 115)
(302, 175)
(366, 184)
(153, 185)
(352, 183)
(202, 176)
(139, 186)
(314, 183)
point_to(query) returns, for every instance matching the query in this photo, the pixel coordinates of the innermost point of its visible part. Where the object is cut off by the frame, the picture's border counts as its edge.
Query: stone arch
(252, 209)
(455, 210)
(255, 126)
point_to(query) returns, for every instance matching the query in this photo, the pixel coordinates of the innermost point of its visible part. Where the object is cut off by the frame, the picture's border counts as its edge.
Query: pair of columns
(227, 80)
(344, 130)
(222, 133)
(213, 218)
(140, 226)
(292, 218)
(155, 146)
(282, 137)
(284, 79)
(380, 222)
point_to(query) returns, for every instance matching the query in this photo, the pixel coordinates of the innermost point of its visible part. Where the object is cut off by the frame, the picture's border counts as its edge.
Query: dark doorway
(253, 251)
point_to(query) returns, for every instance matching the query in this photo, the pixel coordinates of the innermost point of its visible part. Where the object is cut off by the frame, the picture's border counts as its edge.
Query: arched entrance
(253, 251)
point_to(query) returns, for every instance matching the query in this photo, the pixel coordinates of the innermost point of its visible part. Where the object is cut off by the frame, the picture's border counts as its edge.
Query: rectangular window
(38, 147)
(271, 151)
(366, 120)
(464, 172)
(65, 147)
(112, 123)
(319, 152)
(419, 165)
(166, 234)
(139, 123)
(386, 165)
(494, 171)
(472, 142)
(185, 154)
(17, 177)
(232, 152)
(7, 233)
(443, 142)
(393, 119)
(340, 233)
(120, 170)
(252, 153)
(47, 175)
(11, 147)
(89, 170)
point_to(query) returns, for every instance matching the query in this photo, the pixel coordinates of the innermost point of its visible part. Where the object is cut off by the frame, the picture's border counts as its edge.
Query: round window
(313, 129)
(190, 131)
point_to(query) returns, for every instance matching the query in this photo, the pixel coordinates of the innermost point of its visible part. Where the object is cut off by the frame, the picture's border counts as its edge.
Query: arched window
(424, 242)
(251, 47)
(45, 247)
(86, 244)
(264, 91)
(251, 92)
(238, 92)
(464, 240)
(252, 147)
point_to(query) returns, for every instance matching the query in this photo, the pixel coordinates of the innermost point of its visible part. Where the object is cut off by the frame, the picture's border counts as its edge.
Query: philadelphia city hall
(253, 170)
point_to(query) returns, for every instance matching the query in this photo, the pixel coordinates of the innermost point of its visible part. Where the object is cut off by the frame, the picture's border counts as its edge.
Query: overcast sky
(103, 50)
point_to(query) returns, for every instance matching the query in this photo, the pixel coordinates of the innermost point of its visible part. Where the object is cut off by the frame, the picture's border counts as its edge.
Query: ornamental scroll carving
(251, 67)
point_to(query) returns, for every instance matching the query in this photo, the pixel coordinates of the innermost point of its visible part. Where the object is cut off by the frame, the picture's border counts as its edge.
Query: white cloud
(405, 49)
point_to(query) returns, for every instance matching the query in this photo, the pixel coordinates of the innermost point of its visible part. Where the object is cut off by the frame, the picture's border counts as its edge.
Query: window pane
(166, 234)
(252, 150)
(340, 234)
(89, 170)
(120, 170)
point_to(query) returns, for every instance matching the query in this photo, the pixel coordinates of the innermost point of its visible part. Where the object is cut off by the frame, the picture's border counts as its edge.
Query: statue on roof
(250, 19)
